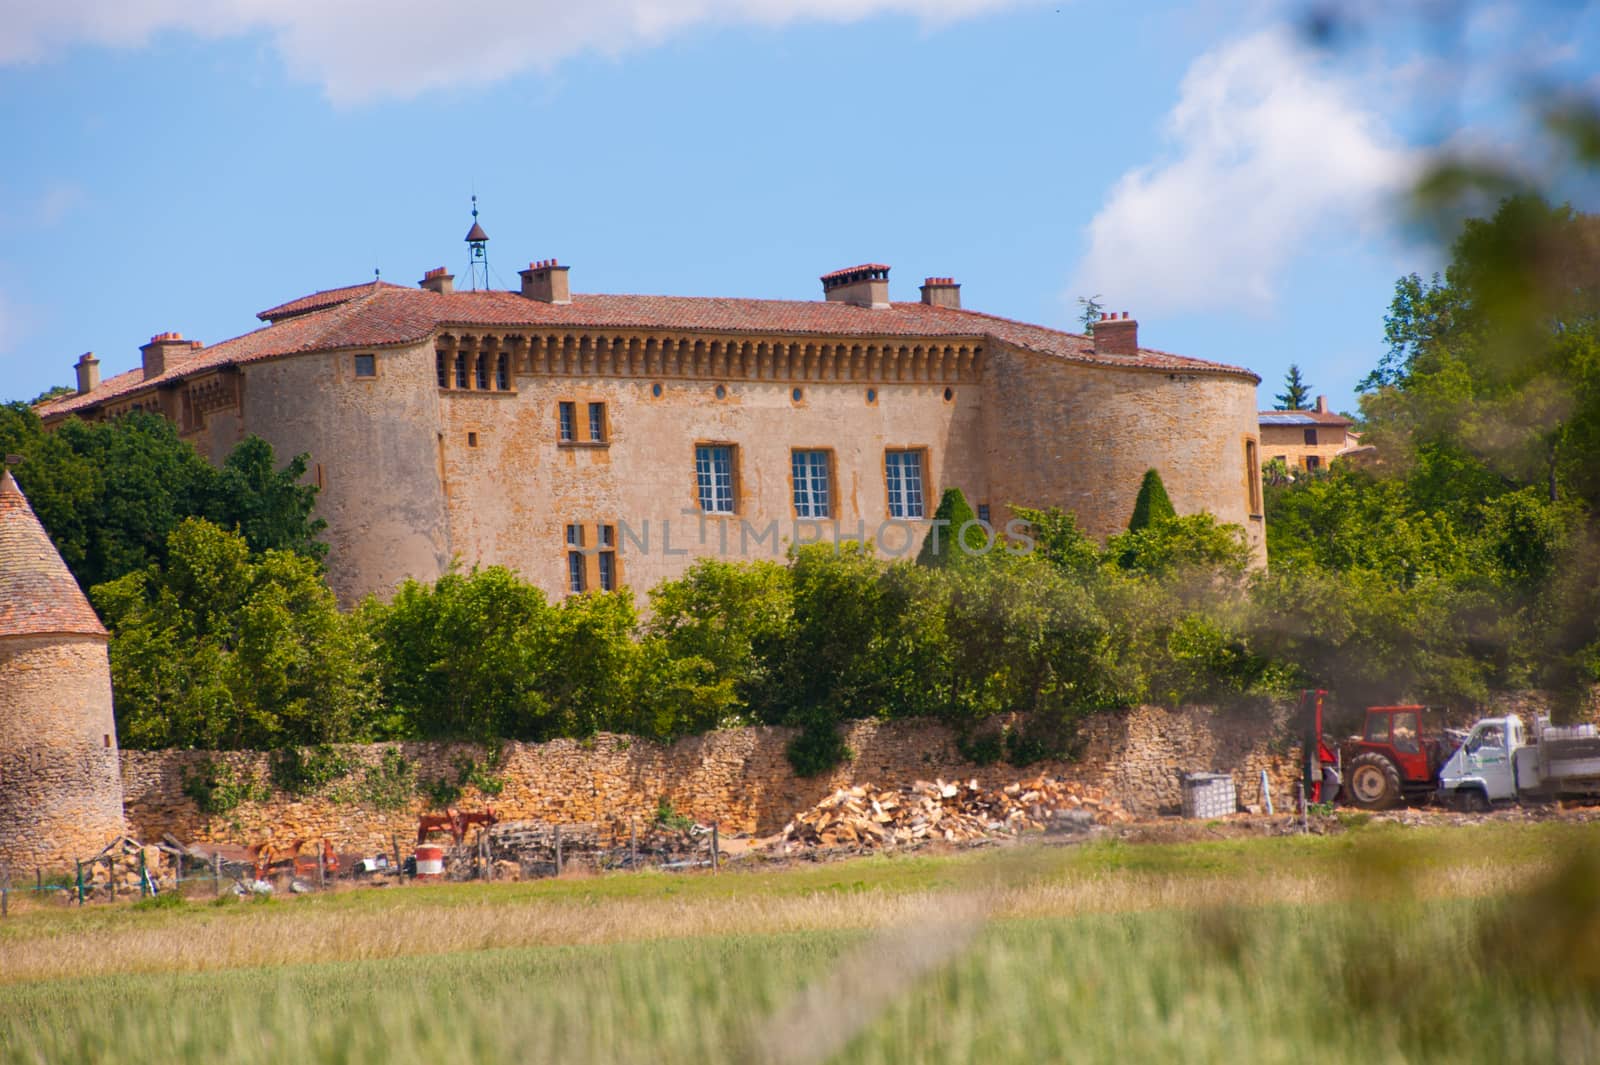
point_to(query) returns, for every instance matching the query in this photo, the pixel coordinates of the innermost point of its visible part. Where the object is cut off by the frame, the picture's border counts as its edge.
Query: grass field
(1383, 944)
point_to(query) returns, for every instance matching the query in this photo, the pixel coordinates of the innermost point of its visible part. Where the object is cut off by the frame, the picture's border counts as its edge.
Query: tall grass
(1429, 955)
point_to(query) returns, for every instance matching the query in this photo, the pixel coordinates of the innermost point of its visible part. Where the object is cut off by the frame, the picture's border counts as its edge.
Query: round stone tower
(60, 776)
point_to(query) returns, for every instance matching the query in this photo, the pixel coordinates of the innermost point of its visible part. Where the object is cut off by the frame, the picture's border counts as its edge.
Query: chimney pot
(1116, 336)
(88, 369)
(162, 346)
(436, 280)
(941, 292)
(1322, 404)
(546, 280)
(866, 285)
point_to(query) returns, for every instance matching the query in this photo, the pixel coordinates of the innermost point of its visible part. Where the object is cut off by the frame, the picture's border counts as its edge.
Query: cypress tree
(954, 511)
(1152, 506)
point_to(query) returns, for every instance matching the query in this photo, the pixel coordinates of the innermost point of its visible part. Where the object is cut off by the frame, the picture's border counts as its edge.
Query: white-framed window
(565, 411)
(713, 471)
(903, 475)
(811, 495)
(606, 535)
(597, 422)
(575, 575)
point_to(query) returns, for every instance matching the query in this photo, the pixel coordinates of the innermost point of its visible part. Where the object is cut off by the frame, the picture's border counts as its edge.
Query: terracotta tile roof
(38, 594)
(376, 316)
(1302, 417)
(318, 300)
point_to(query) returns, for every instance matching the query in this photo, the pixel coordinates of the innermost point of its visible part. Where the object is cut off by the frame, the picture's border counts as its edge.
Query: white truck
(1502, 760)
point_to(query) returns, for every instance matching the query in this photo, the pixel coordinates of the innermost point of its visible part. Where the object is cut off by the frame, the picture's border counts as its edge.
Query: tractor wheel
(1373, 782)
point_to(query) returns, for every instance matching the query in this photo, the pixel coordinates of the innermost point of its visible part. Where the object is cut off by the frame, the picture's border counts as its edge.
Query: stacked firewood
(869, 817)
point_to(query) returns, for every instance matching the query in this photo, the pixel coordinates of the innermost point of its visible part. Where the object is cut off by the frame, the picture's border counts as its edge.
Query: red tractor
(1391, 761)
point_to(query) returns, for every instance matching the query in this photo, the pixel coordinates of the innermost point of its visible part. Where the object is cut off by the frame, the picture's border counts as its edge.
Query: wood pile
(869, 817)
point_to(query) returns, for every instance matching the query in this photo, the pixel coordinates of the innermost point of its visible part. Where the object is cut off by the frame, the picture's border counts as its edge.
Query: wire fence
(129, 871)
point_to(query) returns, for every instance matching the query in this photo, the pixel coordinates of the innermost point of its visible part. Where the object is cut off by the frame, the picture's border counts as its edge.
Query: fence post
(322, 870)
(1300, 796)
(216, 873)
(558, 850)
(399, 870)
(716, 850)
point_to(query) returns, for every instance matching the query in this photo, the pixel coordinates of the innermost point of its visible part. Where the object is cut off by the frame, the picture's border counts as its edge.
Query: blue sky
(179, 169)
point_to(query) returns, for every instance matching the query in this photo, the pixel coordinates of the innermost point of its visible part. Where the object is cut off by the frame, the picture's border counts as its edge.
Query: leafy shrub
(307, 770)
(817, 749)
(217, 789)
(670, 819)
(391, 783)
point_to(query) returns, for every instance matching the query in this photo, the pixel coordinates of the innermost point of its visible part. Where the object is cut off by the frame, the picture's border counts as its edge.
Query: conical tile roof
(38, 594)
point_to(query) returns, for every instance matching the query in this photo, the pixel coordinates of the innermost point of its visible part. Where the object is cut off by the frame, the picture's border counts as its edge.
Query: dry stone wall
(738, 778)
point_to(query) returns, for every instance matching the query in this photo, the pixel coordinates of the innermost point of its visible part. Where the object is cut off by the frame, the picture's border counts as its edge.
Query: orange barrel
(430, 862)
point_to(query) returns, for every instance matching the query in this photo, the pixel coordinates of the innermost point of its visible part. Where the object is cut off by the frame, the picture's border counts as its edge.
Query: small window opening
(798, 394)
(949, 394)
(983, 513)
(1311, 437)
(366, 366)
(722, 393)
(655, 390)
(872, 396)
(107, 738)
(472, 439)
(607, 559)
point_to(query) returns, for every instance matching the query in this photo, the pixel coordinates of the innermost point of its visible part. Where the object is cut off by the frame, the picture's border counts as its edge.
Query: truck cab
(1483, 769)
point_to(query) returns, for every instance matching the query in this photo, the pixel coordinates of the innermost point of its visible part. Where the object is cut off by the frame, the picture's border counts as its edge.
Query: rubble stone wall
(739, 778)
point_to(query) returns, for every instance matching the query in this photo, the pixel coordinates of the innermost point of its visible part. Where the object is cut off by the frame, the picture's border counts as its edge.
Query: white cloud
(1270, 153)
(365, 49)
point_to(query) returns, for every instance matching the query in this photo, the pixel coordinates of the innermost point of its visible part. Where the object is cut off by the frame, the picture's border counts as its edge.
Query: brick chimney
(941, 292)
(88, 368)
(866, 285)
(1322, 404)
(1115, 335)
(162, 348)
(436, 280)
(546, 281)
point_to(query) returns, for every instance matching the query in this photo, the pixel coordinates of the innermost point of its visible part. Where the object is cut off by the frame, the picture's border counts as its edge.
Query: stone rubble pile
(869, 817)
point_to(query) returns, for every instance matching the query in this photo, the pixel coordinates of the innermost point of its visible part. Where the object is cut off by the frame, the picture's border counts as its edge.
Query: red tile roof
(326, 298)
(38, 595)
(379, 315)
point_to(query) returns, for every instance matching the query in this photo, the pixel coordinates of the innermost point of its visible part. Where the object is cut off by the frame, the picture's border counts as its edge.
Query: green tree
(1296, 393)
(1090, 310)
(220, 648)
(1152, 505)
(955, 537)
(463, 657)
(111, 493)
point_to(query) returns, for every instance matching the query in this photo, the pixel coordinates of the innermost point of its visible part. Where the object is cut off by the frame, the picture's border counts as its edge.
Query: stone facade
(739, 778)
(1306, 439)
(432, 421)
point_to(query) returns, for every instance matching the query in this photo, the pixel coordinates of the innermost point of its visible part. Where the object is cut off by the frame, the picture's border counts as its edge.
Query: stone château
(589, 441)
